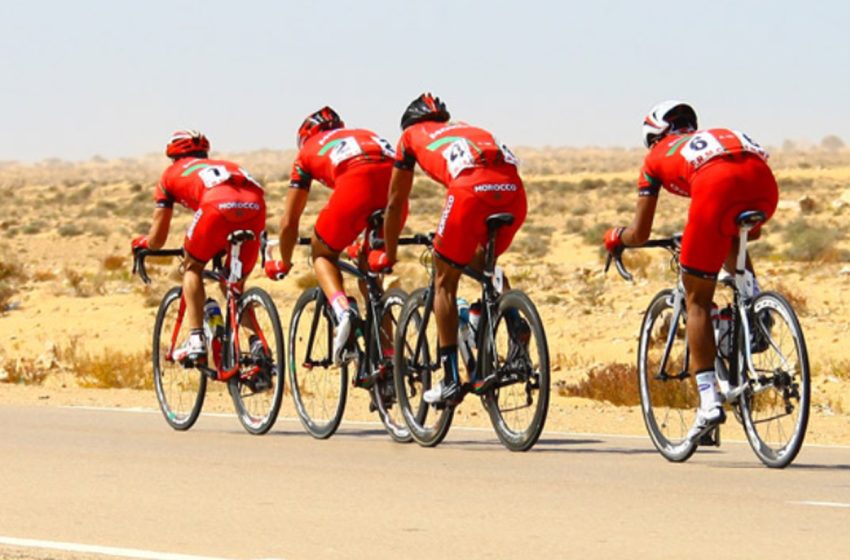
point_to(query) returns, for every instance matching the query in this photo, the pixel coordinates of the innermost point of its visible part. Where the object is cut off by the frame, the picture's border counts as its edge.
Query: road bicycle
(246, 347)
(320, 387)
(511, 356)
(762, 363)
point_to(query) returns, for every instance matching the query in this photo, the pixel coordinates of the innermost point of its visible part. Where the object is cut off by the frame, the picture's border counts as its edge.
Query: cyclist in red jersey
(355, 163)
(481, 178)
(225, 198)
(724, 172)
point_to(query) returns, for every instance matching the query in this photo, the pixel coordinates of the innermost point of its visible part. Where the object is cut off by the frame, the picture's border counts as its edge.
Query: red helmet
(187, 142)
(426, 107)
(323, 119)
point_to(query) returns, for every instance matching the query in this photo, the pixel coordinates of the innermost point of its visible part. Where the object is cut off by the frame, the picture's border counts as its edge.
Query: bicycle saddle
(495, 221)
(240, 235)
(750, 218)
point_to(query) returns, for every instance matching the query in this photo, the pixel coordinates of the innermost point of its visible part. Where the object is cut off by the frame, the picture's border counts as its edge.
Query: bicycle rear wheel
(668, 397)
(416, 370)
(520, 359)
(180, 391)
(257, 390)
(319, 388)
(775, 408)
(383, 390)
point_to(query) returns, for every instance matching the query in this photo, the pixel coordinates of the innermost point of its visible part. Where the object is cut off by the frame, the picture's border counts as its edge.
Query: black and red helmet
(187, 143)
(426, 107)
(323, 119)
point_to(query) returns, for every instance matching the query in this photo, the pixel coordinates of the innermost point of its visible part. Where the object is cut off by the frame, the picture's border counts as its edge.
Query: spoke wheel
(384, 389)
(416, 374)
(668, 396)
(319, 388)
(180, 391)
(775, 408)
(519, 357)
(257, 390)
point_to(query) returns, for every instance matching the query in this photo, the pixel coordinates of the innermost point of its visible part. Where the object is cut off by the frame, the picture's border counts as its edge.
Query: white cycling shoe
(193, 350)
(706, 420)
(441, 393)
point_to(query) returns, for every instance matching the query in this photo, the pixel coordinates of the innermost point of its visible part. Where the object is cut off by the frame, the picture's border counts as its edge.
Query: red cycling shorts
(720, 191)
(358, 191)
(469, 201)
(223, 210)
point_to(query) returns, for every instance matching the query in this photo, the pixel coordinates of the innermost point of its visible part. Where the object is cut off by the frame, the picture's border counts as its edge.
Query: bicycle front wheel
(519, 358)
(257, 390)
(417, 368)
(775, 407)
(319, 388)
(180, 391)
(668, 397)
(383, 390)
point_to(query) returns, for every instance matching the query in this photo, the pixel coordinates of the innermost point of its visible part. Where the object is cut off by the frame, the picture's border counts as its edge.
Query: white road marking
(823, 504)
(104, 550)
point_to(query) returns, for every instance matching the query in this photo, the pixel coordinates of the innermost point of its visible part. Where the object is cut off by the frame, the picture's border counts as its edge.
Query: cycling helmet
(426, 107)
(667, 116)
(323, 119)
(187, 143)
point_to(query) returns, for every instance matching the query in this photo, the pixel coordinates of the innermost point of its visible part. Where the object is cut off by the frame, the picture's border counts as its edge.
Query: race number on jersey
(702, 146)
(458, 157)
(342, 149)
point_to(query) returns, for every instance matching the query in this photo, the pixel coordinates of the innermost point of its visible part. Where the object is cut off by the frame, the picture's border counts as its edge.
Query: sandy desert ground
(74, 320)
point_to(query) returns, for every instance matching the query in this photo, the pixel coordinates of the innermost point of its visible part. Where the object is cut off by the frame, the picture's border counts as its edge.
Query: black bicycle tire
(524, 440)
(398, 433)
(758, 445)
(269, 419)
(683, 450)
(171, 296)
(422, 435)
(326, 429)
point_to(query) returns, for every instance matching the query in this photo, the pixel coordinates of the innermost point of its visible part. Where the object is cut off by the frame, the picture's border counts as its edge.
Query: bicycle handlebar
(670, 243)
(139, 260)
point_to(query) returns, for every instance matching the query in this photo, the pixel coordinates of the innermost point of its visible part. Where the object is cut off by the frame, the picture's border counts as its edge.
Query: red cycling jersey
(673, 161)
(447, 152)
(482, 179)
(724, 173)
(325, 156)
(225, 198)
(187, 181)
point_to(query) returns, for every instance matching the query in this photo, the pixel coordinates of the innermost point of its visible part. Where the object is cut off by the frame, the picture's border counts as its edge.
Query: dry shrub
(594, 234)
(807, 242)
(796, 298)
(85, 285)
(44, 275)
(114, 262)
(11, 275)
(113, 369)
(306, 281)
(23, 371)
(637, 261)
(615, 383)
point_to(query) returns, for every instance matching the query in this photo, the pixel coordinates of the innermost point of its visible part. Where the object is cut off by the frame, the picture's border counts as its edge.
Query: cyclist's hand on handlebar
(277, 270)
(379, 262)
(139, 243)
(614, 239)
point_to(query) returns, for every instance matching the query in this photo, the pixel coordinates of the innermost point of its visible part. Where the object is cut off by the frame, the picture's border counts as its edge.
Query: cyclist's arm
(638, 231)
(296, 200)
(400, 185)
(160, 224)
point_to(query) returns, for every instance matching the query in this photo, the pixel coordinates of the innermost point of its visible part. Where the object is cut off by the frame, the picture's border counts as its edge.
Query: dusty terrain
(73, 319)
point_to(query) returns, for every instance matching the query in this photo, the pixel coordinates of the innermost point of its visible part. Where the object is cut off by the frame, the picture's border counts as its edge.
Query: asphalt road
(79, 483)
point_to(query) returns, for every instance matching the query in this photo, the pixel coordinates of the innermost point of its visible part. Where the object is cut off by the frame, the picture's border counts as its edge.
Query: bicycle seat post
(746, 221)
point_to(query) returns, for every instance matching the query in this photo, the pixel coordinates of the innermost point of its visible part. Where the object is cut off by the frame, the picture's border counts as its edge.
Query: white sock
(339, 303)
(706, 383)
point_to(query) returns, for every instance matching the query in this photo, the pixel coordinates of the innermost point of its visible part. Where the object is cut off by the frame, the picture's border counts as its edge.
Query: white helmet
(667, 116)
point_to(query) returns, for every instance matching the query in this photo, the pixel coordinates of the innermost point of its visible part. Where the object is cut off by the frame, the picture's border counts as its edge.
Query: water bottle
(214, 328)
(466, 339)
